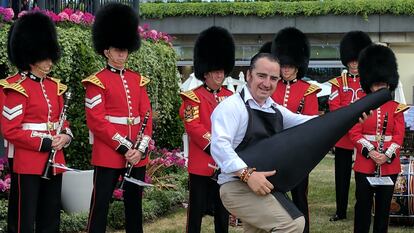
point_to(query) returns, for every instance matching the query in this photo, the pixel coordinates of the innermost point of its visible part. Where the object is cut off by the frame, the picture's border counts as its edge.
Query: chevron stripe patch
(11, 113)
(333, 95)
(91, 103)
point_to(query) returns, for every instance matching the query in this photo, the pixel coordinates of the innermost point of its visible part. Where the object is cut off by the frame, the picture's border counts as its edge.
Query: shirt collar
(34, 77)
(249, 98)
(211, 90)
(115, 70)
(290, 82)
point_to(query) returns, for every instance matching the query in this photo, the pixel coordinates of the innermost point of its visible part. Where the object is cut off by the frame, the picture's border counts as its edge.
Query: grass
(321, 204)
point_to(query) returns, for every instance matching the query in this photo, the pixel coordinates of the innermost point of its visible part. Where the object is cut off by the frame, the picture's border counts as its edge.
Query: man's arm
(225, 121)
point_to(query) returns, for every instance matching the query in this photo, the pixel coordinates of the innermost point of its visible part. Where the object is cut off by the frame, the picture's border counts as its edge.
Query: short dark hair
(256, 57)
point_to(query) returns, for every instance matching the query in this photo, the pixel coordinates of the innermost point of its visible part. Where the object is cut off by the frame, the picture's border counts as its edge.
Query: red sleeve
(334, 99)
(397, 135)
(362, 145)
(11, 121)
(311, 105)
(197, 132)
(95, 116)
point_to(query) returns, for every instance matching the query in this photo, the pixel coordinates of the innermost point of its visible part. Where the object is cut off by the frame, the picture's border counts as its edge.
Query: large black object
(294, 159)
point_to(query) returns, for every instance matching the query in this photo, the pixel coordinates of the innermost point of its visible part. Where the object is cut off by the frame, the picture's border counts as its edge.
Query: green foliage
(3, 215)
(157, 61)
(282, 8)
(73, 222)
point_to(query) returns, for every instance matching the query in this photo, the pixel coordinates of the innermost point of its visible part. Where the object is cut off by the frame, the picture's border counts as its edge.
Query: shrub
(282, 8)
(3, 215)
(73, 222)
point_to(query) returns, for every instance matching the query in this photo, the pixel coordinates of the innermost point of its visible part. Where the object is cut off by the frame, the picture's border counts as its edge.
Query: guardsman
(377, 141)
(116, 102)
(32, 105)
(214, 53)
(346, 89)
(292, 49)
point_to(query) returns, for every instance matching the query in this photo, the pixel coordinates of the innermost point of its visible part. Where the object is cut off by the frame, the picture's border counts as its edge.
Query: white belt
(374, 138)
(123, 120)
(40, 126)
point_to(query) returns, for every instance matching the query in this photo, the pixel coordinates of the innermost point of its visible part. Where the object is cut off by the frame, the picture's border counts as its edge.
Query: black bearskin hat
(291, 47)
(116, 25)
(377, 63)
(32, 38)
(213, 50)
(266, 47)
(351, 45)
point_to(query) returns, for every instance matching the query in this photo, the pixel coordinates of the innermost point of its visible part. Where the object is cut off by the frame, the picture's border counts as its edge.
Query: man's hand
(259, 184)
(378, 158)
(133, 156)
(59, 141)
(364, 117)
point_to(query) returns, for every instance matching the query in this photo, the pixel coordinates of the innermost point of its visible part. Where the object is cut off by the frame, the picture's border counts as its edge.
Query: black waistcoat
(263, 125)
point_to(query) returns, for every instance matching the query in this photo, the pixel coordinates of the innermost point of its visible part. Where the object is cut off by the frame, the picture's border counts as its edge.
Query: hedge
(283, 8)
(157, 61)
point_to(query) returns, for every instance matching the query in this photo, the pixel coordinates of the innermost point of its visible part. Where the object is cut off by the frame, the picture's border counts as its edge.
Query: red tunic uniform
(366, 136)
(3, 83)
(346, 89)
(32, 107)
(196, 109)
(298, 96)
(116, 103)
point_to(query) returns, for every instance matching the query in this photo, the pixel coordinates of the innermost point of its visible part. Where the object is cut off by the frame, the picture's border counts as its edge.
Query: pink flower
(148, 179)
(75, 18)
(22, 13)
(68, 11)
(63, 16)
(7, 14)
(88, 18)
(118, 194)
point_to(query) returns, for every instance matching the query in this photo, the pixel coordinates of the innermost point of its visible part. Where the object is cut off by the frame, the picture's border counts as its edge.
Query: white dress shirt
(229, 125)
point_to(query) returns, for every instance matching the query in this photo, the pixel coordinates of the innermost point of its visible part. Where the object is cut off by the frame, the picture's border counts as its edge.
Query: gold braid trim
(94, 80)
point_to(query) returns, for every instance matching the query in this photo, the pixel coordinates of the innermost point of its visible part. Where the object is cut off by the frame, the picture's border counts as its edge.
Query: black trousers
(39, 203)
(343, 168)
(364, 194)
(104, 182)
(300, 198)
(12, 209)
(205, 198)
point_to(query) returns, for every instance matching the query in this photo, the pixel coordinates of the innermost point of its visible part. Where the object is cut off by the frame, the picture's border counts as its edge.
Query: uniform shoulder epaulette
(61, 88)
(312, 89)
(334, 82)
(94, 80)
(16, 87)
(191, 95)
(401, 108)
(3, 82)
(144, 81)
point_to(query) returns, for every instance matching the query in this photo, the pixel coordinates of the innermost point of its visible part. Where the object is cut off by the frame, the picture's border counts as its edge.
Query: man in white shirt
(242, 120)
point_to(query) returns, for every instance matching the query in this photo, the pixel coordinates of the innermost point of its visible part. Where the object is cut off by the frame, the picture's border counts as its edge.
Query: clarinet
(381, 143)
(140, 138)
(62, 118)
(301, 104)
